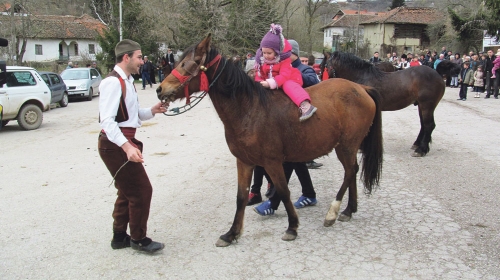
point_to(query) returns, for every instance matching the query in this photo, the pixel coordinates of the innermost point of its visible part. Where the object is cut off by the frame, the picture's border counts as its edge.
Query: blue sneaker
(264, 209)
(305, 201)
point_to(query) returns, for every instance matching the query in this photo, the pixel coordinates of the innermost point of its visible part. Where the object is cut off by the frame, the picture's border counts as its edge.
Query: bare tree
(21, 27)
(310, 14)
(289, 9)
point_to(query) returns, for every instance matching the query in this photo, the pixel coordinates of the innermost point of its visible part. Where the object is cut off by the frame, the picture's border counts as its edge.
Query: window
(91, 49)
(76, 49)
(38, 50)
(19, 79)
(94, 73)
(45, 78)
(54, 79)
(409, 31)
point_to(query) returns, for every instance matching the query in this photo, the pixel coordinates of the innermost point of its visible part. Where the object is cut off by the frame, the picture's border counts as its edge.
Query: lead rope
(116, 174)
(197, 99)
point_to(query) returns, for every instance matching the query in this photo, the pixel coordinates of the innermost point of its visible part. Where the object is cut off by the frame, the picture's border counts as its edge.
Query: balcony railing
(63, 57)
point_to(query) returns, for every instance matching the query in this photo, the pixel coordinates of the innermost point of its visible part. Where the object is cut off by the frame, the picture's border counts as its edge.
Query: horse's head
(189, 75)
(326, 69)
(348, 66)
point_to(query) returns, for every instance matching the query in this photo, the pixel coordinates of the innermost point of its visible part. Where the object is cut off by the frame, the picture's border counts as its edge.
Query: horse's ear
(204, 45)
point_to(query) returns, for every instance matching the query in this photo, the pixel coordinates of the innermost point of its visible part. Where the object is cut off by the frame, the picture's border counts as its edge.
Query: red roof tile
(408, 15)
(349, 18)
(63, 27)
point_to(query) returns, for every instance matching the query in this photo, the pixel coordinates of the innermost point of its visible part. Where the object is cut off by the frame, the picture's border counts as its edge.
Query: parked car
(317, 63)
(59, 93)
(82, 82)
(24, 97)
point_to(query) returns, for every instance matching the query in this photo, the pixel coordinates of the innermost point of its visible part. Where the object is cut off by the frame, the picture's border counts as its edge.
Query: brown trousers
(134, 188)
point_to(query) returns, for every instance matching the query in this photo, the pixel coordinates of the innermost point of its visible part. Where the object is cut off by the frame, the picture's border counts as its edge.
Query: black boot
(254, 198)
(146, 245)
(120, 240)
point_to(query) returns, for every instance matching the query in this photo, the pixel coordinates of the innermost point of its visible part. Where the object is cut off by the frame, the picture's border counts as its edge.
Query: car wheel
(91, 94)
(64, 101)
(4, 123)
(30, 117)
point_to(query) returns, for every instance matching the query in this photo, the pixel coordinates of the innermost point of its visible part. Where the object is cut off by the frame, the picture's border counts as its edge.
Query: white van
(24, 97)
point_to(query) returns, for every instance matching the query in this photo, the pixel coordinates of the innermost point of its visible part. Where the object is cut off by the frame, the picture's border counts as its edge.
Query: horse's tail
(372, 146)
(448, 68)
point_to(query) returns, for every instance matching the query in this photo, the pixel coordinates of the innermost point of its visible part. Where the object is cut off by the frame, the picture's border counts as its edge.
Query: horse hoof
(289, 235)
(344, 218)
(222, 243)
(415, 154)
(414, 147)
(328, 223)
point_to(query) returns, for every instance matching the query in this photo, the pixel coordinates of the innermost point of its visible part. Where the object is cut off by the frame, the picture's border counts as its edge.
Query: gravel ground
(431, 218)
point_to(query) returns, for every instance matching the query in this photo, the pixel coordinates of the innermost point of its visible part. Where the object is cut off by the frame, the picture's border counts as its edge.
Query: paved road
(435, 217)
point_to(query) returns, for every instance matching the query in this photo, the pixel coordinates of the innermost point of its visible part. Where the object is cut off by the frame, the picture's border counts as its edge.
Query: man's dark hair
(467, 63)
(120, 58)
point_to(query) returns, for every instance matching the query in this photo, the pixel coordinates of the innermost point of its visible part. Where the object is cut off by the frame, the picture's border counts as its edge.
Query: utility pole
(359, 2)
(121, 32)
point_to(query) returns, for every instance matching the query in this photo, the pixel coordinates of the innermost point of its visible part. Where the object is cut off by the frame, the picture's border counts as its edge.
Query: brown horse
(262, 128)
(420, 86)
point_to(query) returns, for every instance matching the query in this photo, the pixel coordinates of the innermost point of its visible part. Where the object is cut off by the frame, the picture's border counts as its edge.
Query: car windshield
(75, 75)
(318, 60)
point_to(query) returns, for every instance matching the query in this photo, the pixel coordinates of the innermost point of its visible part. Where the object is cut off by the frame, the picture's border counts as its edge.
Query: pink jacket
(280, 72)
(496, 62)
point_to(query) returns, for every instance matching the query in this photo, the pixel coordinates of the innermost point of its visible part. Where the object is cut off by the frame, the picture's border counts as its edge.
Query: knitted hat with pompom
(274, 39)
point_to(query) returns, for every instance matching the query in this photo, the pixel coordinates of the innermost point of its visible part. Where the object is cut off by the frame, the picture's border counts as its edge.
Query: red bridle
(184, 80)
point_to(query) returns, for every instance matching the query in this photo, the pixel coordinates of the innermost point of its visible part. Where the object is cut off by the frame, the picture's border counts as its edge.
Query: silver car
(82, 82)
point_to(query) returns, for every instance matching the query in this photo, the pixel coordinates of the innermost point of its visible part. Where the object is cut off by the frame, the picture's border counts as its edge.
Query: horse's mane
(448, 67)
(233, 81)
(348, 62)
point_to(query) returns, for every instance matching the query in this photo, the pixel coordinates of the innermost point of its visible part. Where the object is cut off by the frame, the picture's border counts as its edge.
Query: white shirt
(110, 92)
(404, 65)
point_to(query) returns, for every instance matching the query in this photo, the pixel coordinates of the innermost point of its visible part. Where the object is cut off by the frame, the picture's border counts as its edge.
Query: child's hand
(265, 84)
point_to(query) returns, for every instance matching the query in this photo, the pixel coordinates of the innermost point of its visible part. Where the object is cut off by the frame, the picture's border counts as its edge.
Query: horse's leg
(244, 179)
(428, 125)
(417, 142)
(277, 175)
(351, 167)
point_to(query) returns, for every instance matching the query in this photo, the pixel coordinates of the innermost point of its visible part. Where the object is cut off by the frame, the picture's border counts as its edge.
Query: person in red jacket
(273, 69)
(414, 62)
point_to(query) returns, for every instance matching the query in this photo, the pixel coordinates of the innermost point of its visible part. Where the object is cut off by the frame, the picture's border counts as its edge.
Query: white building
(344, 26)
(56, 38)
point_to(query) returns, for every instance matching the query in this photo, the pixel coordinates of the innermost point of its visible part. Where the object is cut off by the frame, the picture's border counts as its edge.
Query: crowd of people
(478, 71)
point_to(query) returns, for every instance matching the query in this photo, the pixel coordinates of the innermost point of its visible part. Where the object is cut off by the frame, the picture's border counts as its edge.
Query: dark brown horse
(385, 66)
(262, 128)
(420, 86)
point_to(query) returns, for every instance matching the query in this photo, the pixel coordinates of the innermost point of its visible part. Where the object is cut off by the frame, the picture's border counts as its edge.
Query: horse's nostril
(158, 90)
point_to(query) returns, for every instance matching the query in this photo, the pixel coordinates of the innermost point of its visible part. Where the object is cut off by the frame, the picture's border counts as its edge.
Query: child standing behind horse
(274, 70)
(478, 81)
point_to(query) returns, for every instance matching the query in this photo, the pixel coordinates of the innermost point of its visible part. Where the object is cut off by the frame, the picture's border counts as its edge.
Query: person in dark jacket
(308, 197)
(170, 58)
(375, 59)
(466, 79)
(491, 87)
(146, 69)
